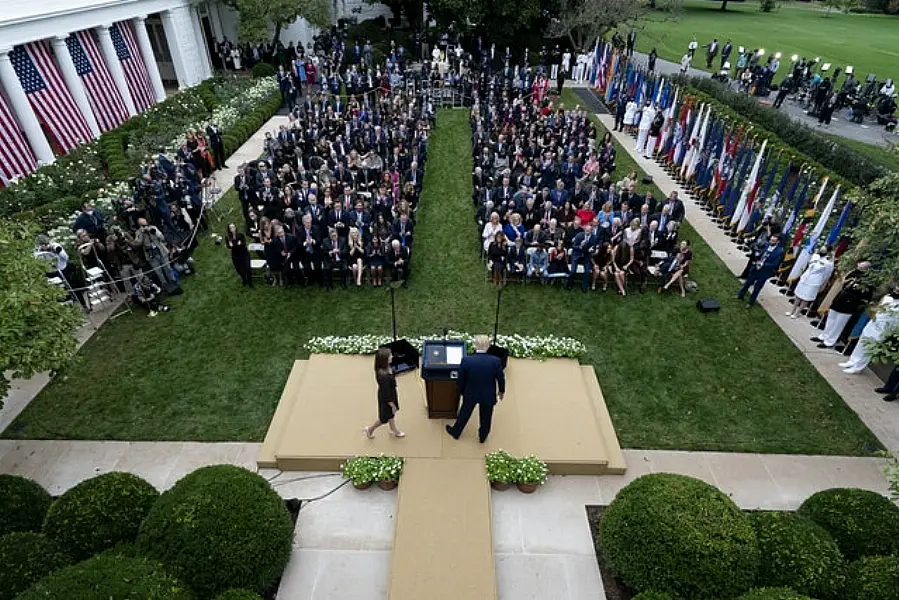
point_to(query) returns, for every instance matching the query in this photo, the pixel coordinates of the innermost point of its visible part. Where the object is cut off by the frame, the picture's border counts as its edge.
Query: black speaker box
(501, 353)
(647, 179)
(707, 305)
(405, 356)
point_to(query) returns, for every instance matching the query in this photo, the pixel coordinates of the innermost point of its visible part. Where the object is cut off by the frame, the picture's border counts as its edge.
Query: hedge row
(834, 156)
(671, 536)
(220, 530)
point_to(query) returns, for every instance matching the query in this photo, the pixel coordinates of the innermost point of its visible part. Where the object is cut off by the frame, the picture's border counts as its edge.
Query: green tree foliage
(37, 332)
(582, 21)
(258, 16)
(503, 20)
(875, 236)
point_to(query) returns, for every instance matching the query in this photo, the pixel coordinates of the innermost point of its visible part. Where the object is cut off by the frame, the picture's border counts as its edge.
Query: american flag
(49, 96)
(104, 98)
(16, 157)
(133, 65)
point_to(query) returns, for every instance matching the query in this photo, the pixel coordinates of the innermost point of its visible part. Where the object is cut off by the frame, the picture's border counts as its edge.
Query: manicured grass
(213, 368)
(866, 41)
(886, 158)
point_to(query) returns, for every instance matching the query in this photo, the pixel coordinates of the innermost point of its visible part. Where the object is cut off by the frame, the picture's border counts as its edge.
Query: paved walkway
(882, 418)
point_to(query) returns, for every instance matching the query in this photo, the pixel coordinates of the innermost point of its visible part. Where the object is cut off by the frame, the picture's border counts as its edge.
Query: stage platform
(553, 409)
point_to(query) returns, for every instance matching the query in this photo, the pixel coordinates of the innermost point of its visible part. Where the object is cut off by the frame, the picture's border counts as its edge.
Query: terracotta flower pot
(387, 485)
(362, 486)
(500, 485)
(527, 488)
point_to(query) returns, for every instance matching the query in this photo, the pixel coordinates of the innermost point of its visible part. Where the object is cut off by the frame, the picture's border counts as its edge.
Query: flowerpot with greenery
(530, 473)
(361, 470)
(389, 470)
(501, 468)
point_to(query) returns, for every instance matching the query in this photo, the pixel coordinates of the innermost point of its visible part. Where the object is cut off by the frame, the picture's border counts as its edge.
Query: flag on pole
(809, 248)
(732, 192)
(106, 103)
(669, 123)
(16, 157)
(800, 202)
(752, 188)
(46, 90)
(699, 146)
(835, 230)
(748, 186)
(136, 75)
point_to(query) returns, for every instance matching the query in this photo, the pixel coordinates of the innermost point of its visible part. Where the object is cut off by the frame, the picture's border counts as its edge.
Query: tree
(875, 236)
(767, 5)
(502, 21)
(258, 16)
(832, 5)
(37, 332)
(412, 9)
(582, 21)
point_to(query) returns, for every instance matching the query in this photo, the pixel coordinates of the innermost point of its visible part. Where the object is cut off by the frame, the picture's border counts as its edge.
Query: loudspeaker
(708, 305)
(647, 179)
(405, 356)
(501, 353)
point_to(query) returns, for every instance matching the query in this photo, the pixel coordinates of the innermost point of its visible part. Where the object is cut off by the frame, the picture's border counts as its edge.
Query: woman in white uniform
(884, 321)
(631, 115)
(818, 272)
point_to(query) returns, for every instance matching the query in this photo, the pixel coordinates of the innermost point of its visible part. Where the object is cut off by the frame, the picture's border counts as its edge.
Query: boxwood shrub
(26, 558)
(862, 522)
(679, 535)
(798, 553)
(99, 513)
(262, 69)
(652, 595)
(236, 594)
(874, 578)
(773, 593)
(110, 576)
(218, 528)
(23, 504)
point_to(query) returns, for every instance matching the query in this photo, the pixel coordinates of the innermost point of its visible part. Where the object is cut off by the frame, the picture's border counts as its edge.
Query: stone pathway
(882, 418)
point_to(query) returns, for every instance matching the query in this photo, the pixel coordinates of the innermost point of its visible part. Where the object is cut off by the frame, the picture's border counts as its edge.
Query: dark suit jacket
(333, 220)
(772, 261)
(397, 233)
(479, 377)
(329, 259)
(214, 135)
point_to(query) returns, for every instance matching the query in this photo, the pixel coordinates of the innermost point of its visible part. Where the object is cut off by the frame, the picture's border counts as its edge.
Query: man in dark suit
(308, 242)
(581, 249)
(676, 206)
(337, 220)
(214, 134)
(762, 269)
(480, 375)
(402, 230)
(334, 259)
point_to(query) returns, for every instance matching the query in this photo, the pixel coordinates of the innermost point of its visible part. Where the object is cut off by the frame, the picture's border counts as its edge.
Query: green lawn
(213, 368)
(866, 41)
(876, 154)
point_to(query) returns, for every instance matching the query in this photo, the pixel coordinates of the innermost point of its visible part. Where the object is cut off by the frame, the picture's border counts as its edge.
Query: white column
(21, 108)
(216, 19)
(202, 49)
(179, 40)
(146, 50)
(115, 67)
(74, 83)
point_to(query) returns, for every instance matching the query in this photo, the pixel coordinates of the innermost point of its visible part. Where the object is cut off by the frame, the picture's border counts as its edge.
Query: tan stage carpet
(553, 409)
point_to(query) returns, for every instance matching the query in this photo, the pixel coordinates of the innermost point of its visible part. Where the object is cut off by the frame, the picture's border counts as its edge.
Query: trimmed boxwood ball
(25, 559)
(679, 535)
(862, 522)
(99, 513)
(874, 578)
(798, 553)
(23, 504)
(220, 527)
(110, 576)
(773, 593)
(235, 594)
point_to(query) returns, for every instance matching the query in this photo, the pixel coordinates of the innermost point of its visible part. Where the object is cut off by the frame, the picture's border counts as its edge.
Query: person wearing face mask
(92, 221)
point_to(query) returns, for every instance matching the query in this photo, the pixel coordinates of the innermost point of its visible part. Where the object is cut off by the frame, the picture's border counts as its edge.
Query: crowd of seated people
(548, 206)
(336, 192)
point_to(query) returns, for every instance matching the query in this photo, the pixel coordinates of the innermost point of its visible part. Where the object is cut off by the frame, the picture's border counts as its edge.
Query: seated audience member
(496, 257)
(356, 255)
(513, 229)
(335, 259)
(674, 269)
(558, 260)
(398, 259)
(538, 263)
(376, 256)
(601, 260)
(517, 257)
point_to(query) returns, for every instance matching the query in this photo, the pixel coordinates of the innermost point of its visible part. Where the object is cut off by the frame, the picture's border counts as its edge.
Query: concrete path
(869, 133)
(542, 543)
(882, 418)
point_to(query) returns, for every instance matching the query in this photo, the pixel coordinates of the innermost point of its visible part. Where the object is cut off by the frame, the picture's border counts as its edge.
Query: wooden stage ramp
(443, 543)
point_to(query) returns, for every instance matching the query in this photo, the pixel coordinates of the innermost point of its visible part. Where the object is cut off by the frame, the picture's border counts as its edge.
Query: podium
(440, 362)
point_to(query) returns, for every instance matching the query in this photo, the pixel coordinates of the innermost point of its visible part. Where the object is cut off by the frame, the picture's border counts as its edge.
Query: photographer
(124, 258)
(156, 253)
(146, 293)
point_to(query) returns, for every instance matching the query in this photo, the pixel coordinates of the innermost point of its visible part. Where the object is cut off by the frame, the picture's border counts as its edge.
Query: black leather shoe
(822, 345)
(449, 430)
(889, 398)
(816, 339)
(882, 390)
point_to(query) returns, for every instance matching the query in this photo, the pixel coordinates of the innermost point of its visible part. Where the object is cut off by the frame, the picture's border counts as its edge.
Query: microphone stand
(499, 296)
(392, 287)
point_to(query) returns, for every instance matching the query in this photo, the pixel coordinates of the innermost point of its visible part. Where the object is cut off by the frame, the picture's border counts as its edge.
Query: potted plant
(501, 467)
(360, 470)
(530, 473)
(388, 471)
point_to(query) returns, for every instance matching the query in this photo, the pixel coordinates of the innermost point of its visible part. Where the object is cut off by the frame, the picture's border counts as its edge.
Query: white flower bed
(519, 346)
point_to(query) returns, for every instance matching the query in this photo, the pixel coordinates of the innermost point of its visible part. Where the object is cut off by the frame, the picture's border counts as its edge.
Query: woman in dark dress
(388, 402)
(240, 256)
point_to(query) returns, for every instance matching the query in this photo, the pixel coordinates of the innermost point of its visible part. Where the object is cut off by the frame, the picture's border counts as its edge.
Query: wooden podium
(440, 371)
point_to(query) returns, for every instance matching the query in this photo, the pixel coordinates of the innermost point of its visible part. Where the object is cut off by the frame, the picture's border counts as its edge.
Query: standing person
(388, 400)
(851, 300)
(631, 42)
(711, 52)
(763, 269)
(819, 270)
(480, 376)
(725, 52)
(891, 387)
(620, 110)
(214, 135)
(646, 117)
(655, 130)
(884, 321)
(653, 55)
(560, 81)
(684, 63)
(240, 255)
(691, 48)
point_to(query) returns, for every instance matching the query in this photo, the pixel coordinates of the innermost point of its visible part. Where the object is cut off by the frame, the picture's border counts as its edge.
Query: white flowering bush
(365, 469)
(519, 346)
(501, 466)
(531, 470)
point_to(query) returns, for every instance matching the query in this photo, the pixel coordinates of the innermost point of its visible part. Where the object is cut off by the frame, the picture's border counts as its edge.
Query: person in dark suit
(581, 250)
(398, 259)
(480, 377)
(214, 135)
(402, 230)
(335, 259)
(309, 244)
(281, 255)
(338, 219)
(388, 400)
(763, 269)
